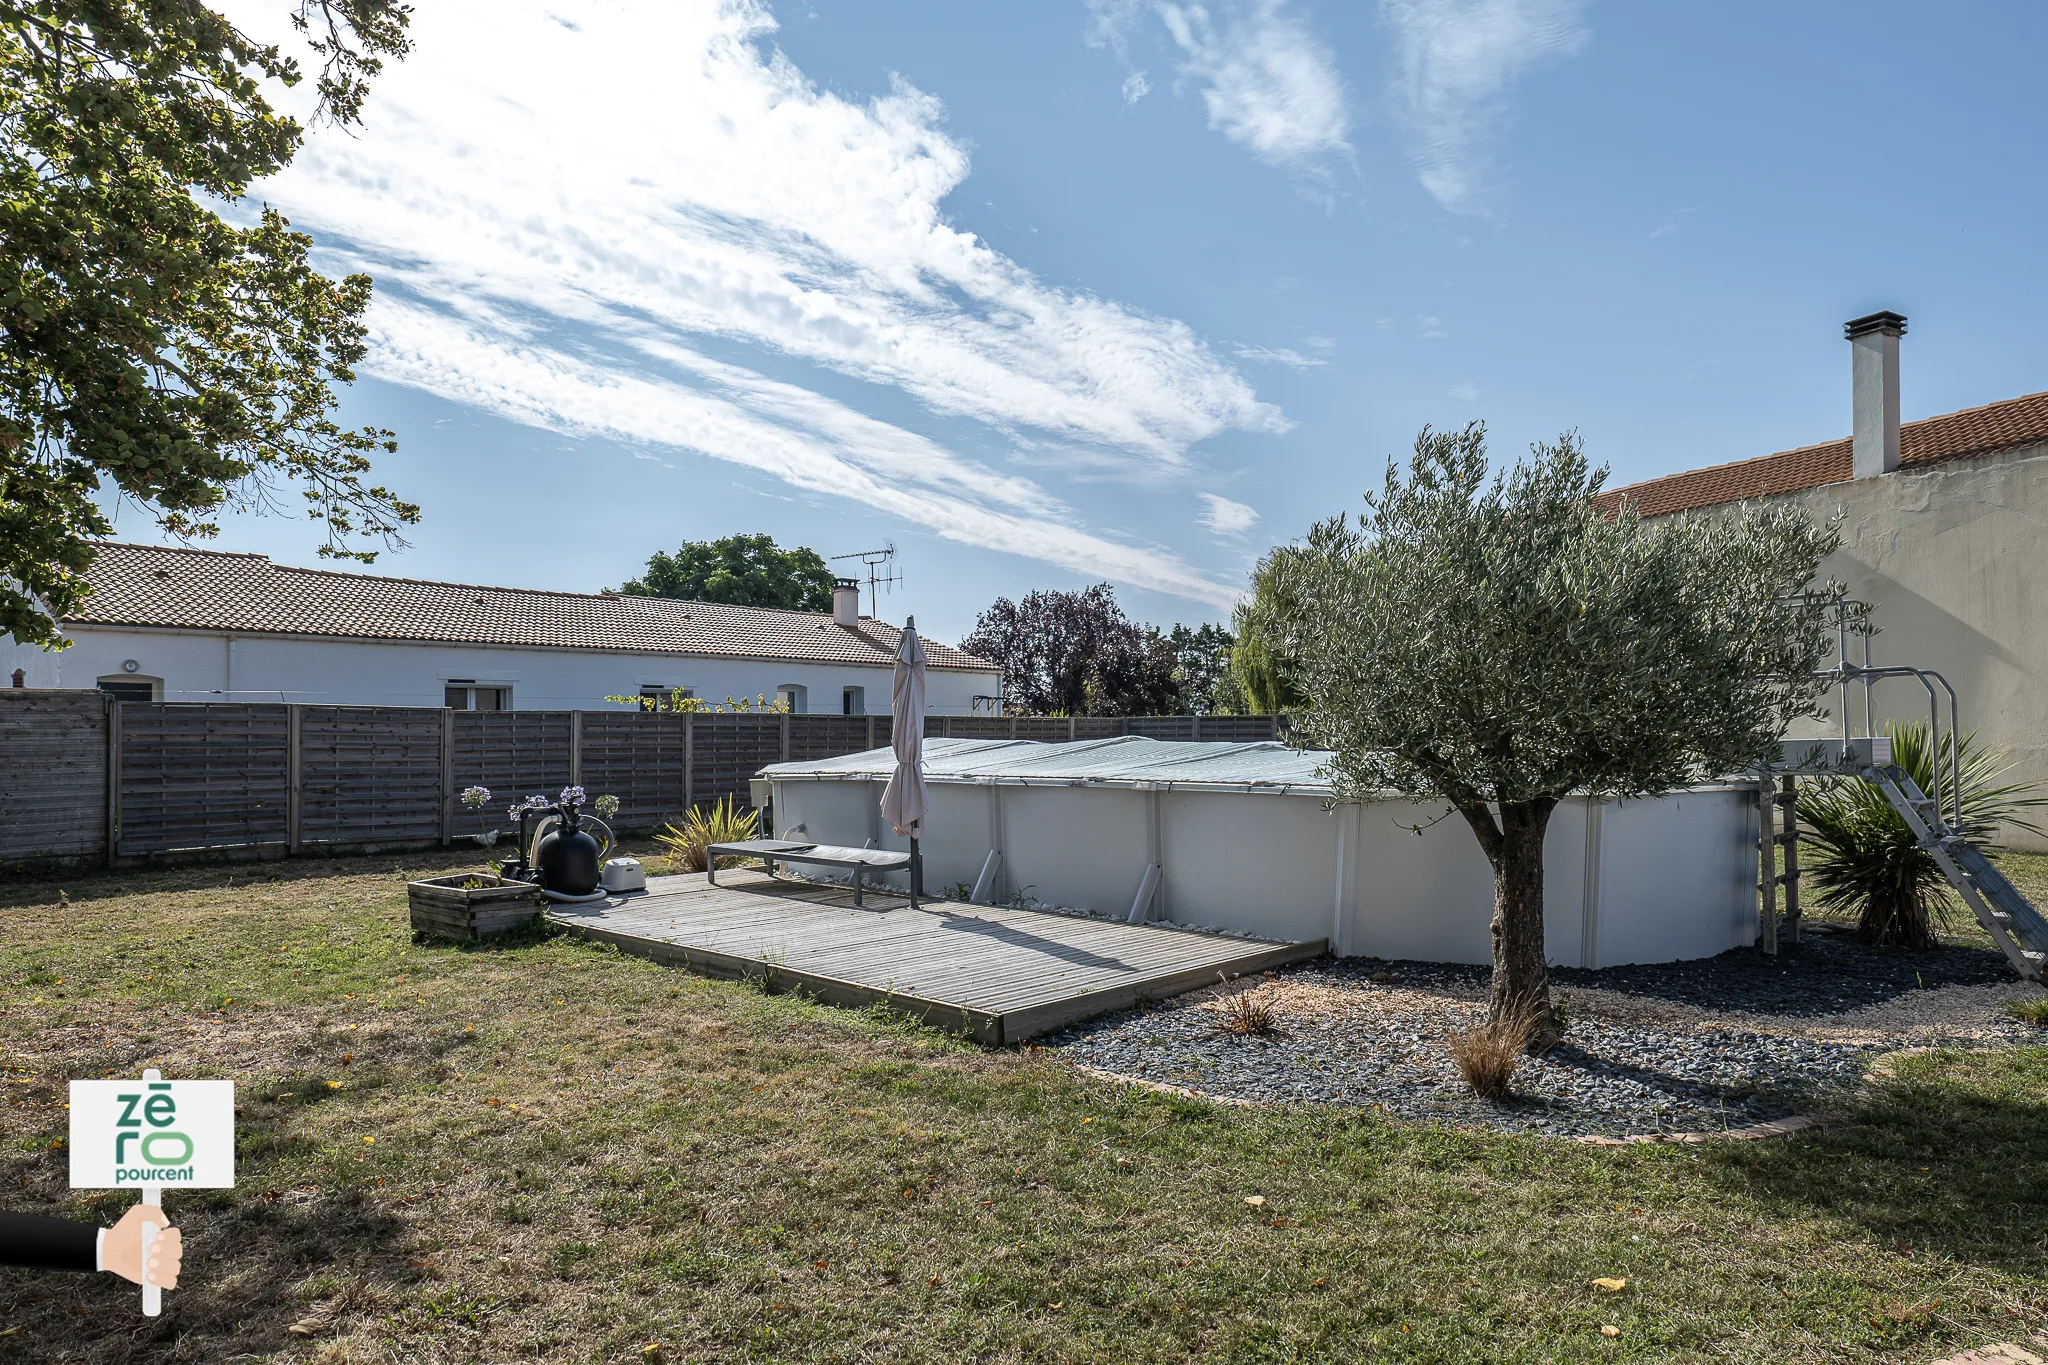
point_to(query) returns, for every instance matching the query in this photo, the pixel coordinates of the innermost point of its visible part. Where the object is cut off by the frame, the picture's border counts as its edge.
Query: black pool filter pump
(565, 862)
(568, 857)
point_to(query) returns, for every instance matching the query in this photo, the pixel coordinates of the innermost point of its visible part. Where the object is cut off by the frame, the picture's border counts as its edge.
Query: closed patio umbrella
(905, 799)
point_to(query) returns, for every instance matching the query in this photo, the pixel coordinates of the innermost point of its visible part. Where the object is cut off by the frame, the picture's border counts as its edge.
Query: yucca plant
(685, 844)
(1861, 857)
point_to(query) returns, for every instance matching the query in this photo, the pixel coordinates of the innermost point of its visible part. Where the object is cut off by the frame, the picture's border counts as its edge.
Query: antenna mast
(876, 561)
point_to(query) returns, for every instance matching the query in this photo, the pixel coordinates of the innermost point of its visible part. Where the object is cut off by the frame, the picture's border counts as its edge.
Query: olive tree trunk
(1521, 978)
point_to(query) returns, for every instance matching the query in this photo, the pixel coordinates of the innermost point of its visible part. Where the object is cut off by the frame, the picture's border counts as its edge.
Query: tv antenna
(877, 561)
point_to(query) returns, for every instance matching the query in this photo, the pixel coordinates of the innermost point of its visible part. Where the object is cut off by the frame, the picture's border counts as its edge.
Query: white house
(169, 624)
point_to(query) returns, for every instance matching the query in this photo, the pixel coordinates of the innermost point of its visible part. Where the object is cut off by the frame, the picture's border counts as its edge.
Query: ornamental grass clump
(1488, 1053)
(1862, 858)
(2034, 1011)
(1249, 1014)
(685, 844)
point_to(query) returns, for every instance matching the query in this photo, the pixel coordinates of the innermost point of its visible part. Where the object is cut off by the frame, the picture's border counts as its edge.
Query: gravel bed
(1684, 1047)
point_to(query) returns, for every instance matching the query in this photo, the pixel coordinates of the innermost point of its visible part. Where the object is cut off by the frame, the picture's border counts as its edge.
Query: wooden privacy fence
(84, 775)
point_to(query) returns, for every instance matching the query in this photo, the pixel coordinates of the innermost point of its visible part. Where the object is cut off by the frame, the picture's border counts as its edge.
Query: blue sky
(1051, 293)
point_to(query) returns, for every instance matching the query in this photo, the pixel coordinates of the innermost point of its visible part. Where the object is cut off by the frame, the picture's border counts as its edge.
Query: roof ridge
(600, 596)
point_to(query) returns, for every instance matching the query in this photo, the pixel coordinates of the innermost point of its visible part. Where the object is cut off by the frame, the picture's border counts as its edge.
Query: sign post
(148, 1135)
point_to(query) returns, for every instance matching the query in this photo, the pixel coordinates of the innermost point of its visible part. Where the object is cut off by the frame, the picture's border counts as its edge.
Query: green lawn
(542, 1150)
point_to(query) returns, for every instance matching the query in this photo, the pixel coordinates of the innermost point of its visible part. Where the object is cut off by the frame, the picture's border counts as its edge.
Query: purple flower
(571, 796)
(476, 798)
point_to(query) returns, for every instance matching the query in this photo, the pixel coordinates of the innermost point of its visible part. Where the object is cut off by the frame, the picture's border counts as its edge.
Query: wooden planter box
(441, 905)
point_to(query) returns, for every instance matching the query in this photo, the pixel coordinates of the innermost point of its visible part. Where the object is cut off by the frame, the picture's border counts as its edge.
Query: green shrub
(685, 844)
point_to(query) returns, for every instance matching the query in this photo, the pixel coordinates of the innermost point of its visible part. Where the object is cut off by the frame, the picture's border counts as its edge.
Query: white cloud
(565, 222)
(1467, 392)
(1227, 518)
(1456, 61)
(1269, 84)
(1279, 355)
(1136, 87)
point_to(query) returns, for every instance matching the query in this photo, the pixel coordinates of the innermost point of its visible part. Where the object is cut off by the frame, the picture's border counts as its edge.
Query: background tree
(1202, 654)
(1076, 654)
(1498, 643)
(145, 342)
(1260, 670)
(746, 571)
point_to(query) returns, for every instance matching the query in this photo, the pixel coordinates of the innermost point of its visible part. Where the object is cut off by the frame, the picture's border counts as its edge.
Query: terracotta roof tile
(1974, 431)
(150, 585)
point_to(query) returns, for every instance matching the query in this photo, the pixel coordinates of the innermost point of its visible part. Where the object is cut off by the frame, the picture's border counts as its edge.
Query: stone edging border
(1754, 1132)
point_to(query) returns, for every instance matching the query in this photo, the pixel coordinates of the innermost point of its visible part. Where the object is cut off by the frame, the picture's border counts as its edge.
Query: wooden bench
(772, 851)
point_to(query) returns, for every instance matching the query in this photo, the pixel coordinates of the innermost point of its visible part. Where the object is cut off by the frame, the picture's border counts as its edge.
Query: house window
(462, 695)
(792, 696)
(854, 701)
(129, 687)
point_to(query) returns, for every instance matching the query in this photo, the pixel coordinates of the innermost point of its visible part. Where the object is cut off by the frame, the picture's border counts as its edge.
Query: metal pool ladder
(2013, 922)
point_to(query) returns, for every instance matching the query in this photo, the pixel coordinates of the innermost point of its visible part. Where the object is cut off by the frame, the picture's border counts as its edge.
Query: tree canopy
(1202, 660)
(1498, 642)
(746, 571)
(1260, 670)
(1076, 654)
(147, 342)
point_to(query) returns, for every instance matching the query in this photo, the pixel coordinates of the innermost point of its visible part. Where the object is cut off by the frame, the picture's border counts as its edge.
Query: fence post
(1788, 798)
(1073, 728)
(785, 736)
(294, 778)
(1767, 864)
(871, 732)
(575, 748)
(113, 777)
(447, 776)
(1013, 727)
(1195, 733)
(689, 761)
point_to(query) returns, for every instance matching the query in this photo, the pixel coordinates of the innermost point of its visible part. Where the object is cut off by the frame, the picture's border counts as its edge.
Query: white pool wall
(1663, 879)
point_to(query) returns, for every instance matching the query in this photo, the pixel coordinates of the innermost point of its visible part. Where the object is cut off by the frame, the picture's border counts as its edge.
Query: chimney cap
(1887, 322)
(853, 583)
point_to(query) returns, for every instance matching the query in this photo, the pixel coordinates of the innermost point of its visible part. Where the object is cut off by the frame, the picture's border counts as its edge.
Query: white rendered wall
(1661, 880)
(201, 666)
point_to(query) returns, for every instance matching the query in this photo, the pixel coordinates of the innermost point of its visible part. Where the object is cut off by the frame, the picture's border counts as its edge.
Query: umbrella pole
(916, 872)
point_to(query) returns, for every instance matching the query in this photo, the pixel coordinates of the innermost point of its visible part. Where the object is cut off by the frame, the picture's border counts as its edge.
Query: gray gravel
(1378, 1037)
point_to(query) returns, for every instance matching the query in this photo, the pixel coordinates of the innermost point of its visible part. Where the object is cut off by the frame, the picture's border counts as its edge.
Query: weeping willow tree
(1863, 859)
(1259, 665)
(1498, 640)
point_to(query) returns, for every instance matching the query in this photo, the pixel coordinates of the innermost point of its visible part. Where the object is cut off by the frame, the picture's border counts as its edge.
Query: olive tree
(1498, 640)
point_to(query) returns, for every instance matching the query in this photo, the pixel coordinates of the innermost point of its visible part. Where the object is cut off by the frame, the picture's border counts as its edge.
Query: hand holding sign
(121, 1249)
(146, 1135)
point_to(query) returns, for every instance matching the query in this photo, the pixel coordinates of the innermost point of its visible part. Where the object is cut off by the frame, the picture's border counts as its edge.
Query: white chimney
(1874, 392)
(846, 600)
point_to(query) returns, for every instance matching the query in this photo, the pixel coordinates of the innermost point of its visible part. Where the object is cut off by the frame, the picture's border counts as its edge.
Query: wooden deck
(998, 974)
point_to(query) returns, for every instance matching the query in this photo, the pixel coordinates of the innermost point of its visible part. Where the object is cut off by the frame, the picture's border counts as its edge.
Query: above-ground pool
(1246, 837)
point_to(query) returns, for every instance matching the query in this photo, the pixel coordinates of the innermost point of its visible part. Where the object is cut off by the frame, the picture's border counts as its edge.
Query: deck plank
(998, 973)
